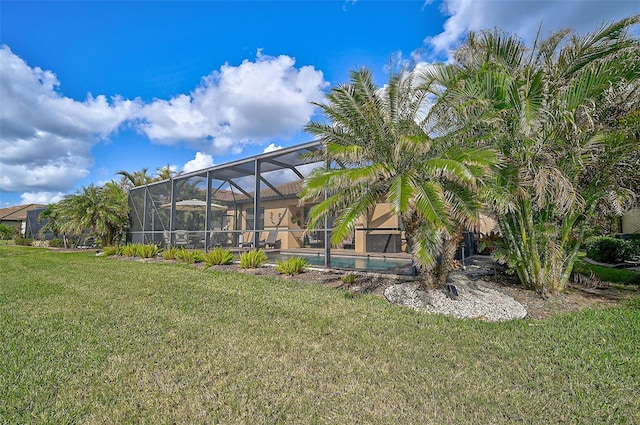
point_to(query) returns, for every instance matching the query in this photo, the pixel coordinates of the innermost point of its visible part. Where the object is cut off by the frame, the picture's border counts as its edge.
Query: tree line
(544, 137)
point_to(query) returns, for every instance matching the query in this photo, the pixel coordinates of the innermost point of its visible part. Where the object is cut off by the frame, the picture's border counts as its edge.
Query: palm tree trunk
(448, 256)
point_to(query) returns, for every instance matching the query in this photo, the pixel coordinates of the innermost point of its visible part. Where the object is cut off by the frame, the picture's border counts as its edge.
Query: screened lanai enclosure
(250, 203)
(254, 203)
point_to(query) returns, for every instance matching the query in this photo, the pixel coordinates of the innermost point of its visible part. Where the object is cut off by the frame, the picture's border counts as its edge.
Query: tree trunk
(448, 256)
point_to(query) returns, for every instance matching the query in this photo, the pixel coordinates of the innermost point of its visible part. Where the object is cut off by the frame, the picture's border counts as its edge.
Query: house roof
(286, 190)
(18, 213)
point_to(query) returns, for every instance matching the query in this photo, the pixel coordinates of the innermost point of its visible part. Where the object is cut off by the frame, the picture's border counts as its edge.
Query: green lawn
(608, 274)
(88, 340)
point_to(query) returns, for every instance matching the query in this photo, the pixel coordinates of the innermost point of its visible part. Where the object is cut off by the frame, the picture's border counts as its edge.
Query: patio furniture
(313, 241)
(181, 237)
(219, 238)
(271, 241)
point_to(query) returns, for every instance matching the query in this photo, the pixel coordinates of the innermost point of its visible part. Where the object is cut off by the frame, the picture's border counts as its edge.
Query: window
(249, 222)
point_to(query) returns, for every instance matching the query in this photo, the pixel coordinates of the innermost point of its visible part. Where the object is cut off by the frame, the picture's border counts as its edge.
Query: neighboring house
(17, 216)
(630, 221)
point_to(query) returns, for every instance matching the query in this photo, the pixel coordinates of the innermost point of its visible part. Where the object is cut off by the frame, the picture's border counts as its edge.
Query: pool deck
(343, 252)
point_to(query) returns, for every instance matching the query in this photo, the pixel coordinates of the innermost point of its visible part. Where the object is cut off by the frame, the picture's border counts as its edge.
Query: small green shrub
(349, 278)
(294, 265)
(253, 259)
(56, 243)
(112, 250)
(190, 257)
(147, 251)
(170, 253)
(217, 256)
(606, 249)
(634, 240)
(24, 241)
(129, 250)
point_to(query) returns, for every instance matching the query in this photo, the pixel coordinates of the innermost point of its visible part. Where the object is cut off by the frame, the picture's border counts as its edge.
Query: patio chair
(182, 237)
(314, 241)
(271, 241)
(219, 238)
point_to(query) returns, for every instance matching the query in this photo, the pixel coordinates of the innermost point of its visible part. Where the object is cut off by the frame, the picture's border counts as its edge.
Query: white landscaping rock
(476, 299)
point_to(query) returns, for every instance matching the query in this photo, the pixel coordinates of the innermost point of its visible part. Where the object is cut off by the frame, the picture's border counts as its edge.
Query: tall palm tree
(129, 180)
(557, 112)
(103, 211)
(377, 150)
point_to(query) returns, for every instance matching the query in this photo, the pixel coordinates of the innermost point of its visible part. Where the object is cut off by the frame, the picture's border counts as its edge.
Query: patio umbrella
(486, 225)
(194, 205)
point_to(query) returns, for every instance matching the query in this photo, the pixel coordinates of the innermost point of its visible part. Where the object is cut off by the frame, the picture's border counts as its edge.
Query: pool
(376, 263)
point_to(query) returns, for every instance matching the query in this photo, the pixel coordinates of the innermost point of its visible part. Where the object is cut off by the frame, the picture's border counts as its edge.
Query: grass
(89, 339)
(608, 274)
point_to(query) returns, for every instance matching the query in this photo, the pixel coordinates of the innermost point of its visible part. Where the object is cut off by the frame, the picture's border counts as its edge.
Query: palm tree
(137, 178)
(377, 149)
(103, 211)
(559, 112)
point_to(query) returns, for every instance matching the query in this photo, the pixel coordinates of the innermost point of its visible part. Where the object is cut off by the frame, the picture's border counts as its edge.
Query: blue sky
(88, 88)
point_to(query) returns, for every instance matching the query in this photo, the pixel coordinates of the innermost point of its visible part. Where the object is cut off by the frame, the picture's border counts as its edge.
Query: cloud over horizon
(524, 17)
(47, 139)
(201, 161)
(252, 103)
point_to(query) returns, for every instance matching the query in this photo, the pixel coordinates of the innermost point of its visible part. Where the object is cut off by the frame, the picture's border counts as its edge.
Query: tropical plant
(378, 146)
(348, 278)
(147, 250)
(253, 259)
(109, 251)
(24, 241)
(142, 177)
(291, 266)
(564, 114)
(6, 232)
(608, 250)
(189, 256)
(170, 253)
(217, 257)
(100, 211)
(130, 250)
(56, 243)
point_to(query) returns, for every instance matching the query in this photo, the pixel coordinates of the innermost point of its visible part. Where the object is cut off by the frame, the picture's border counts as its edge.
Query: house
(239, 204)
(630, 221)
(17, 216)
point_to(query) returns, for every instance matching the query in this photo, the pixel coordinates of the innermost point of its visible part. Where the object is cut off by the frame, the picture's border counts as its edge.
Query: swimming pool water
(349, 262)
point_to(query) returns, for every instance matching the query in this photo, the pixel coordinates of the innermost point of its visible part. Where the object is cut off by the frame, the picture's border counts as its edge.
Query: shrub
(294, 265)
(253, 259)
(634, 239)
(217, 257)
(147, 251)
(24, 241)
(608, 250)
(129, 250)
(349, 278)
(112, 250)
(190, 257)
(170, 253)
(56, 243)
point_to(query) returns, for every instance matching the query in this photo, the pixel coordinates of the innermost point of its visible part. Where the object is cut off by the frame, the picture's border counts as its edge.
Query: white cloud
(524, 17)
(272, 147)
(238, 105)
(41, 197)
(46, 138)
(201, 161)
